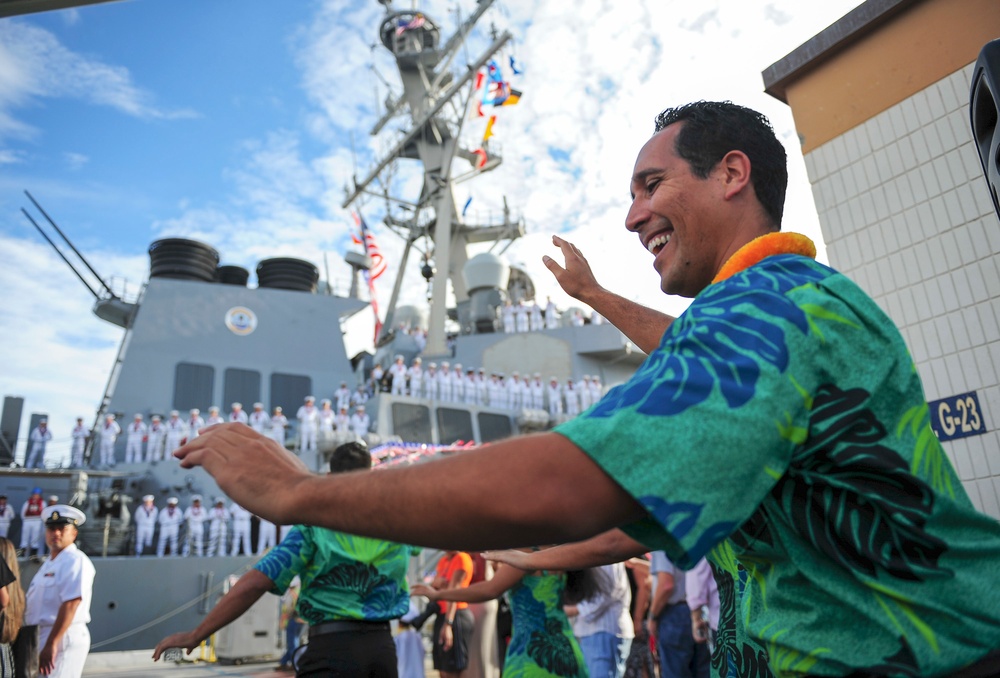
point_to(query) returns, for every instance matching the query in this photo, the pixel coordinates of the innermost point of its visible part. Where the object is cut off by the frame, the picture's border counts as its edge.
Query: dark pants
(457, 658)
(680, 656)
(349, 654)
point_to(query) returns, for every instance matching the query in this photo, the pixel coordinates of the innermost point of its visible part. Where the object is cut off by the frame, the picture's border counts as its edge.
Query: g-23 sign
(957, 416)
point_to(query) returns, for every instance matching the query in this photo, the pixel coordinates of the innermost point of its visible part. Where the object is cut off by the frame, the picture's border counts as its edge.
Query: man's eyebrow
(640, 177)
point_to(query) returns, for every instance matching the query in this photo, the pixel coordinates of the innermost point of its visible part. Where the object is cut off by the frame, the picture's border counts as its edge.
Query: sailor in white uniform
(507, 314)
(537, 391)
(535, 320)
(137, 431)
(326, 417)
(596, 390)
(58, 600)
(521, 316)
(237, 415)
(343, 396)
(195, 515)
(170, 522)
(214, 418)
(470, 387)
(360, 422)
(481, 387)
(584, 392)
(515, 392)
(241, 530)
(6, 516)
(457, 384)
(360, 397)
(39, 438)
(176, 432)
(555, 398)
(416, 375)
(551, 315)
(218, 518)
(444, 382)
(157, 433)
(145, 525)
(109, 434)
(279, 422)
(259, 419)
(431, 382)
(342, 422)
(267, 536)
(79, 435)
(308, 417)
(572, 399)
(194, 423)
(398, 373)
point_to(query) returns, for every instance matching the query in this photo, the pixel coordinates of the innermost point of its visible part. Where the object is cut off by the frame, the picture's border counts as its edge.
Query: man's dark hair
(713, 128)
(350, 457)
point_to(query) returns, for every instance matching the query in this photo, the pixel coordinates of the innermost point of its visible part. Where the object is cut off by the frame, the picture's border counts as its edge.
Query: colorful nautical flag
(416, 22)
(367, 240)
(513, 68)
(489, 128)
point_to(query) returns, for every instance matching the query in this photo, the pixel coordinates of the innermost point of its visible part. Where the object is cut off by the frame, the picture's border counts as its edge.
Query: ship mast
(437, 101)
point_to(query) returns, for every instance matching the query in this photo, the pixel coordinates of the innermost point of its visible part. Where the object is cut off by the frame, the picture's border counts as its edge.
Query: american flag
(367, 239)
(416, 22)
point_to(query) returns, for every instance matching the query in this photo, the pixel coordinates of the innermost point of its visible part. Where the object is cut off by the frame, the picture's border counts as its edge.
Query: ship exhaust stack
(284, 273)
(485, 275)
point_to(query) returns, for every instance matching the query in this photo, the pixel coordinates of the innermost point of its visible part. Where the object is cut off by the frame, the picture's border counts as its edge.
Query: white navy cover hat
(172, 500)
(237, 406)
(258, 406)
(61, 514)
(43, 421)
(195, 497)
(174, 413)
(148, 497)
(220, 500)
(195, 410)
(312, 398)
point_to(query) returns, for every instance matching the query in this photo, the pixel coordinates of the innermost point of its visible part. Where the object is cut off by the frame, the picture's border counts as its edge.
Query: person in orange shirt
(454, 624)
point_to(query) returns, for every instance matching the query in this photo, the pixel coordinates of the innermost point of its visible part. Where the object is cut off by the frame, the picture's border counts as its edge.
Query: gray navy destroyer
(282, 340)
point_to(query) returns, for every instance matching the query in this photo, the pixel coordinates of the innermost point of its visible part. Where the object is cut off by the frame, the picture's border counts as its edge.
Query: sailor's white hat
(148, 497)
(258, 406)
(43, 421)
(195, 410)
(220, 500)
(172, 500)
(308, 398)
(237, 405)
(109, 416)
(213, 408)
(156, 417)
(61, 514)
(138, 415)
(278, 409)
(174, 413)
(326, 401)
(53, 498)
(195, 497)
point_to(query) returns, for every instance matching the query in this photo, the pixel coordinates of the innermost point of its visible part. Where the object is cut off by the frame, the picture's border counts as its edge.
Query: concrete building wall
(905, 213)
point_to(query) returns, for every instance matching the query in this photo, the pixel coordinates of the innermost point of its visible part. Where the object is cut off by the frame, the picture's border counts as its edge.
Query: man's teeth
(657, 242)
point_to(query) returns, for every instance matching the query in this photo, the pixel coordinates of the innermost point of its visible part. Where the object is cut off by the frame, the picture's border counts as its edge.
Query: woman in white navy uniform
(58, 600)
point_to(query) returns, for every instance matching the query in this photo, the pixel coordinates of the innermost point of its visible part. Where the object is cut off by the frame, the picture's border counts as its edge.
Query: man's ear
(735, 169)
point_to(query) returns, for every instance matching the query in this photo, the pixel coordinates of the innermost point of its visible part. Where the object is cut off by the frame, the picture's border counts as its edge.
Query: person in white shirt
(444, 382)
(507, 314)
(194, 423)
(360, 422)
(551, 315)
(554, 393)
(326, 416)
(583, 390)
(214, 418)
(431, 382)
(308, 417)
(80, 435)
(342, 422)
(535, 320)
(398, 373)
(279, 422)
(195, 515)
(136, 436)
(572, 399)
(457, 384)
(416, 376)
(469, 390)
(145, 525)
(169, 520)
(537, 392)
(6, 516)
(58, 600)
(521, 316)
(218, 517)
(596, 390)
(154, 444)
(241, 530)
(359, 397)
(343, 396)
(237, 415)
(494, 391)
(109, 434)
(482, 382)
(515, 392)
(176, 431)
(267, 536)
(39, 438)
(259, 419)
(577, 319)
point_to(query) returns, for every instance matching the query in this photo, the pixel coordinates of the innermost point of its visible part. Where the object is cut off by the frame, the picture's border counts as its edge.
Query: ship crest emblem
(241, 320)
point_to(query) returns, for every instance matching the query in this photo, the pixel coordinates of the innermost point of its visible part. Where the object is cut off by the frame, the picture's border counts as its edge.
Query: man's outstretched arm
(530, 490)
(642, 325)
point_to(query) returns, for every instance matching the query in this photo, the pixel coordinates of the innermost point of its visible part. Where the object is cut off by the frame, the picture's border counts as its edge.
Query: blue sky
(234, 121)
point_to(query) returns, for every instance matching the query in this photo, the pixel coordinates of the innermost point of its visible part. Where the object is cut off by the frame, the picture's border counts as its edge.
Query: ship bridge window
(193, 386)
(289, 391)
(454, 425)
(494, 427)
(241, 386)
(412, 423)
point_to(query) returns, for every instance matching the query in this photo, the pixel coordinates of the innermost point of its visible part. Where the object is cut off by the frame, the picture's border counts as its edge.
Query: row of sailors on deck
(521, 317)
(197, 540)
(473, 387)
(160, 437)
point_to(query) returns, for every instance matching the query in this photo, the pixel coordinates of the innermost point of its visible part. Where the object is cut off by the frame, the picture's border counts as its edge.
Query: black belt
(344, 626)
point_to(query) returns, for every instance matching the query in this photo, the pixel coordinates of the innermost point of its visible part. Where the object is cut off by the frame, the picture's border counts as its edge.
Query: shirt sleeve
(289, 558)
(707, 425)
(71, 581)
(6, 575)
